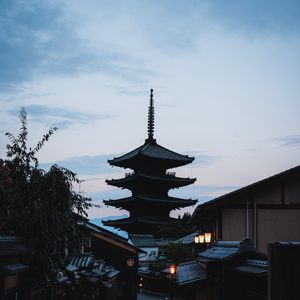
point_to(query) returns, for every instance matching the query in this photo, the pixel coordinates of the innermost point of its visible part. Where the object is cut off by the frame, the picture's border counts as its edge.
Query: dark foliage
(177, 252)
(39, 206)
(176, 229)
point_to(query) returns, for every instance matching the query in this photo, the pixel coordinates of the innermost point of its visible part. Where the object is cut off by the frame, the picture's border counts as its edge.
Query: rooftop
(154, 151)
(188, 239)
(143, 240)
(224, 199)
(190, 272)
(253, 266)
(225, 249)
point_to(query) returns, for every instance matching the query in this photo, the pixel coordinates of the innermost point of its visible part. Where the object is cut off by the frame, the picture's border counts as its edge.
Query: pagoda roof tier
(135, 179)
(138, 224)
(151, 154)
(132, 201)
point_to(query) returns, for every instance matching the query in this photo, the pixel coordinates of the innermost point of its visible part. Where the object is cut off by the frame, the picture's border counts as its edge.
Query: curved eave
(132, 162)
(139, 220)
(132, 201)
(172, 181)
(152, 152)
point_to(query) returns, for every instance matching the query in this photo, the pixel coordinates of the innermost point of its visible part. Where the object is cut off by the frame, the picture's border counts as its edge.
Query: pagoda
(149, 205)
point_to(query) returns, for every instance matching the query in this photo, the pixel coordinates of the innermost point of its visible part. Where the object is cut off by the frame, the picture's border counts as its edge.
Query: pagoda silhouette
(149, 205)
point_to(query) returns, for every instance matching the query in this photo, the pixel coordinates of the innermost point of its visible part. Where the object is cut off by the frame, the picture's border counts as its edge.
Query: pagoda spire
(151, 118)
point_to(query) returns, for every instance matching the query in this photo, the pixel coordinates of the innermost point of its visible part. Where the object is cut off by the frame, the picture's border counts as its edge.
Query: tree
(177, 252)
(176, 228)
(41, 207)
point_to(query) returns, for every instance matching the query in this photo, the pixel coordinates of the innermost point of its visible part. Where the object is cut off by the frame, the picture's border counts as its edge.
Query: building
(266, 211)
(149, 205)
(147, 243)
(117, 252)
(234, 270)
(14, 259)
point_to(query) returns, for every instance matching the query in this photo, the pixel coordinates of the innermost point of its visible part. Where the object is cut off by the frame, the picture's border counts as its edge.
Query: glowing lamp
(172, 269)
(207, 237)
(201, 238)
(196, 239)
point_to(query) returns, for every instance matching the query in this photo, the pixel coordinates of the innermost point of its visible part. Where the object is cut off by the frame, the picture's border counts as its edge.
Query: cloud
(87, 165)
(59, 116)
(292, 140)
(32, 40)
(255, 16)
(202, 192)
(39, 38)
(203, 159)
(97, 164)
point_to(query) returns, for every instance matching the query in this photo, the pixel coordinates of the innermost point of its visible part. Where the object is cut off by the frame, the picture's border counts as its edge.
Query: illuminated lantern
(196, 239)
(172, 269)
(130, 262)
(201, 238)
(207, 237)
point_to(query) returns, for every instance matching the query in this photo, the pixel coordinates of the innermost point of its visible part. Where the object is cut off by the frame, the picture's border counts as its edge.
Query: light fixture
(207, 237)
(201, 238)
(196, 239)
(172, 269)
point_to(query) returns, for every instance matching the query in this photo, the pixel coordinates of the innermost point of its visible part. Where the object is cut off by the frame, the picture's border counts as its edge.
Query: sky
(225, 76)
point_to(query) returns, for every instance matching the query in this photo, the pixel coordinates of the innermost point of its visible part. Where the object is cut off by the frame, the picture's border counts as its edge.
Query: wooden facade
(266, 211)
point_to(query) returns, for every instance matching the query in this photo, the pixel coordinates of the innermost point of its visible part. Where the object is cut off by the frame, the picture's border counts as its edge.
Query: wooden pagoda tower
(149, 205)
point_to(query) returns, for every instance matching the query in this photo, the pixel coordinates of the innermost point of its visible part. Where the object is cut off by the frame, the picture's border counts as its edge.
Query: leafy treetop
(40, 207)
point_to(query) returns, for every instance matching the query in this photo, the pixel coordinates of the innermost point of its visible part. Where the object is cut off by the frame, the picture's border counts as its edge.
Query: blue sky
(225, 76)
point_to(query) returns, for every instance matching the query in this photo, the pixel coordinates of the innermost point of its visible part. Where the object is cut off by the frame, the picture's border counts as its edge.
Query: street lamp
(201, 238)
(173, 270)
(207, 237)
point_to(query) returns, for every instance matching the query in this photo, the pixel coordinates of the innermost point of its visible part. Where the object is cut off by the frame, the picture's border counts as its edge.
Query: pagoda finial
(151, 117)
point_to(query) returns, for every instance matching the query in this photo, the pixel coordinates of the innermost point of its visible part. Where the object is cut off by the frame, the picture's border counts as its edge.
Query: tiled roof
(188, 239)
(152, 150)
(143, 240)
(190, 272)
(100, 232)
(14, 268)
(172, 181)
(96, 228)
(10, 245)
(224, 249)
(8, 238)
(288, 243)
(139, 220)
(81, 261)
(253, 266)
(178, 202)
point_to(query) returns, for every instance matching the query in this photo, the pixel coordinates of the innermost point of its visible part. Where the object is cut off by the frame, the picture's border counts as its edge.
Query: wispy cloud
(205, 192)
(87, 165)
(59, 116)
(292, 140)
(38, 38)
(97, 164)
(202, 159)
(255, 16)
